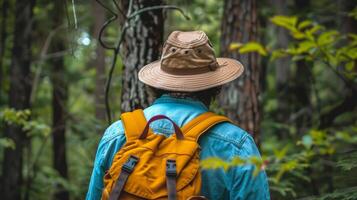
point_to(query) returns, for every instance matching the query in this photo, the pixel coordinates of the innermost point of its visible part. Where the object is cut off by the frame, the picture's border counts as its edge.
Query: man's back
(224, 141)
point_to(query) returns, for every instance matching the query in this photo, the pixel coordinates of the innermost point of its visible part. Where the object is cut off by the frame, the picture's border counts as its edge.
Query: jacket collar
(186, 101)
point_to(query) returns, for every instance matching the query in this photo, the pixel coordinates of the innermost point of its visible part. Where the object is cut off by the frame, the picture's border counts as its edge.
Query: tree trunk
(3, 32)
(282, 69)
(59, 100)
(99, 62)
(142, 45)
(347, 23)
(239, 99)
(19, 98)
(302, 82)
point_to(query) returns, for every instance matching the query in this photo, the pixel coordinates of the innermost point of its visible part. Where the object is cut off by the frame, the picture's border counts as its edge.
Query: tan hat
(188, 64)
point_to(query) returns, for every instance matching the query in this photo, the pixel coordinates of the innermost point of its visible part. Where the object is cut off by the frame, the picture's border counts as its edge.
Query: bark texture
(239, 99)
(19, 98)
(99, 63)
(142, 45)
(59, 100)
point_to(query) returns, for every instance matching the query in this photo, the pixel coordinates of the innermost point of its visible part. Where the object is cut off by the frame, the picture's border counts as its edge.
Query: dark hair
(205, 96)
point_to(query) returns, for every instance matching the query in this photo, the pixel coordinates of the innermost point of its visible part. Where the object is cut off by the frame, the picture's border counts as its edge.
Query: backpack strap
(134, 124)
(199, 125)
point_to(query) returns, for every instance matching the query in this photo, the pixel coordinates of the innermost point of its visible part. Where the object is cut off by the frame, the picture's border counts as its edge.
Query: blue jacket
(224, 141)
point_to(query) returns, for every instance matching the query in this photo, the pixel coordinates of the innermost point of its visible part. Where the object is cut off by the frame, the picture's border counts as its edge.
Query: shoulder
(113, 139)
(228, 137)
(113, 131)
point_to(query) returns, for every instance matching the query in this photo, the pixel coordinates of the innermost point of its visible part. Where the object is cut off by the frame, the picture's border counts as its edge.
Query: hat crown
(188, 39)
(188, 53)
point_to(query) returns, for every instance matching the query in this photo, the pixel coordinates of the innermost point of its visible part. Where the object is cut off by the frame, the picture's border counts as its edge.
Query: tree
(302, 83)
(99, 63)
(239, 99)
(19, 98)
(282, 68)
(141, 46)
(59, 99)
(3, 33)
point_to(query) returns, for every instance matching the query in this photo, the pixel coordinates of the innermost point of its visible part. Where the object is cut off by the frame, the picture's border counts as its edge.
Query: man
(186, 79)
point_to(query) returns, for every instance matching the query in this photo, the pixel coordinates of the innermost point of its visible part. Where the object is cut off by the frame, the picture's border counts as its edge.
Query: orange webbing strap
(134, 124)
(195, 128)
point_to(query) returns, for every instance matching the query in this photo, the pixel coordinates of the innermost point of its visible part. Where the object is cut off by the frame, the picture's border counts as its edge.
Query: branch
(43, 56)
(167, 7)
(113, 18)
(348, 83)
(129, 15)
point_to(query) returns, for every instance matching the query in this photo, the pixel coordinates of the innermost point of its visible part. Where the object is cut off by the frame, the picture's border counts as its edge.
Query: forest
(68, 69)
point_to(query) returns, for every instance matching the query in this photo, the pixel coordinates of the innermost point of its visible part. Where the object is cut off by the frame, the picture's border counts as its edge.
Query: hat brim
(152, 75)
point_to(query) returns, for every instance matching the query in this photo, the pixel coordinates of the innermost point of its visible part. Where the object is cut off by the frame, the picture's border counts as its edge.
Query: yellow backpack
(151, 166)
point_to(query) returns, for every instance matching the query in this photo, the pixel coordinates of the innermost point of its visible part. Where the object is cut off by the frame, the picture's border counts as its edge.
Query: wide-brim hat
(188, 64)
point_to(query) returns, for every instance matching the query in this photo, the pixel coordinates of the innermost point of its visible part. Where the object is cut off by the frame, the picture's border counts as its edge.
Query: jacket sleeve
(244, 184)
(112, 140)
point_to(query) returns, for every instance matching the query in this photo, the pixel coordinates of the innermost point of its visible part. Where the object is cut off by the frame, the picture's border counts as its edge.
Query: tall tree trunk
(347, 23)
(19, 98)
(239, 99)
(141, 46)
(282, 69)
(99, 62)
(302, 82)
(59, 100)
(3, 37)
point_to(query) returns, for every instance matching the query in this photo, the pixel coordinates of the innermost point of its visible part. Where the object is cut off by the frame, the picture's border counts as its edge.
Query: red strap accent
(178, 131)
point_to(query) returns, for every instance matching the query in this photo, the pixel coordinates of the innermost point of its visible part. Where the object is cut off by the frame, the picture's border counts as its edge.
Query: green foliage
(22, 118)
(248, 47)
(7, 143)
(347, 161)
(353, 13)
(215, 163)
(314, 155)
(345, 194)
(315, 42)
(11, 116)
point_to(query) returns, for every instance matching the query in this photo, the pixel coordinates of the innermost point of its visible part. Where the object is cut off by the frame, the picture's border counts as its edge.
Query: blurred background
(60, 86)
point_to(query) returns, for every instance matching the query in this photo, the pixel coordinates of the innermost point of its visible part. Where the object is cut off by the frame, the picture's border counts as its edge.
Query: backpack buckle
(171, 168)
(130, 164)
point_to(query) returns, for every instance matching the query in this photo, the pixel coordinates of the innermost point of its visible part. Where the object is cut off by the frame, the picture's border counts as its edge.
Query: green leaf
(304, 24)
(297, 58)
(327, 38)
(298, 35)
(279, 53)
(214, 163)
(253, 47)
(285, 21)
(353, 13)
(280, 154)
(7, 143)
(235, 45)
(352, 53)
(12, 116)
(352, 37)
(310, 32)
(347, 161)
(314, 29)
(305, 46)
(350, 66)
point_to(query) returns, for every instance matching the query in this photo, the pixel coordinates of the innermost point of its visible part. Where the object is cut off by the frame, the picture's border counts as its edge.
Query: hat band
(190, 71)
